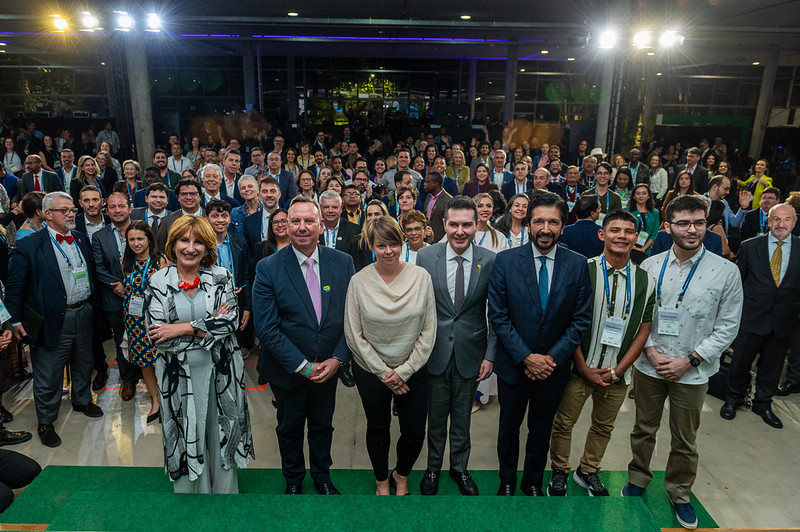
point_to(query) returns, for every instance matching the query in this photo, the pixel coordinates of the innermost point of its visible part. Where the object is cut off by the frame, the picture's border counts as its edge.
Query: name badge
(136, 306)
(570, 205)
(642, 240)
(612, 332)
(600, 219)
(4, 314)
(668, 321)
(81, 277)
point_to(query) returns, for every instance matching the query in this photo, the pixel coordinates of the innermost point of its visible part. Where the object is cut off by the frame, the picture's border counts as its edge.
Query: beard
(681, 242)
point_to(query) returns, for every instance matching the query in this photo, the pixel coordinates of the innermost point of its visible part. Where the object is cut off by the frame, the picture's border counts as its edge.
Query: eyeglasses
(65, 211)
(416, 229)
(352, 194)
(684, 224)
(186, 194)
(280, 222)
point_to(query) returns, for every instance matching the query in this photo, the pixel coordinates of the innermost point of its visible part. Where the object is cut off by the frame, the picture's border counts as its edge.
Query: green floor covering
(87, 498)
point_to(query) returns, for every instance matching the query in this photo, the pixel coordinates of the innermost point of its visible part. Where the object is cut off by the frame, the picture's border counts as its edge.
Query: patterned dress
(140, 352)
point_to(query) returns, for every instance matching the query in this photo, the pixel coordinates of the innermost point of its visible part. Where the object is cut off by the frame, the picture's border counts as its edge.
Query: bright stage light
(153, 22)
(608, 39)
(670, 38)
(88, 21)
(643, 39)
(60, 23)
(124, 21)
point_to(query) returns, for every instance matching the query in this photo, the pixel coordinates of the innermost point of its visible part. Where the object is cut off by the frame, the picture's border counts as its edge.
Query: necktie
(312, 283)
(543, 282)
(37, 187)
(69, 239)
(775, 263)
(458, 298)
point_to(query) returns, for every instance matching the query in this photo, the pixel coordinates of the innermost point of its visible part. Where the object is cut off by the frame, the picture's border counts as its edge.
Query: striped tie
(775, 263)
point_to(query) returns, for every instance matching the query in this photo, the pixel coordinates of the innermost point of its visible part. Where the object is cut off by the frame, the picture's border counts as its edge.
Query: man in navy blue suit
(540, 305)
(49, 296)
(152, 175)
(231, 163)
(255, 225)
(212, 181)
(581, 237)
(284, 178)
(299, 318)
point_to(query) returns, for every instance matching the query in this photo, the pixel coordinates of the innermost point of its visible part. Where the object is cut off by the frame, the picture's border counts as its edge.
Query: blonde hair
(80, 176)
(135, 165)
(477, 198)
(202, 231)
(384, 227)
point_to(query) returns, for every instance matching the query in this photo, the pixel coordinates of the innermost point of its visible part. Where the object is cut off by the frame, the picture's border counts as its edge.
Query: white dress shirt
(551, 261)
(452, 266)
(786, 249)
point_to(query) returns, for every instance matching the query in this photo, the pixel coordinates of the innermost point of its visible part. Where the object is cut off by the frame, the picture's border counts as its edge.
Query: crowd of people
(431, 275)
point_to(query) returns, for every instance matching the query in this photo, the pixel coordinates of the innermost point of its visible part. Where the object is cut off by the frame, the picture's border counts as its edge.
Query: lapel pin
(339, 238)
(326, 288)
(478, 266)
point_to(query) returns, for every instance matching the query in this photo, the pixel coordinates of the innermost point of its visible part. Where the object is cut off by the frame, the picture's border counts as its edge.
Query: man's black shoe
(89, 410)
(465, 483)
(788, 388)
(728, 411)
(769, 417)
(47, 433)
(326, 488)
(9, 437)
(506, 490)
(100, 380)
(294, 489)
(346, 376)
(8, 417)
(430, 483)
(532, 490)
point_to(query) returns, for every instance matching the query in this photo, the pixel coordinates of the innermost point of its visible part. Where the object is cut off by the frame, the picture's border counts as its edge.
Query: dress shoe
(156, 415)
(465, 483)
(8, 417)
(294, 489)
(728, 411)
(48, 435)
(788, 388)
(8, 437)
(430, 483)
(128, 391)
(506, 490)
(261, 381)
(346, 376)
(100, 380)
(769, 417)
(89, 410)
(532, 490)
(326, 488)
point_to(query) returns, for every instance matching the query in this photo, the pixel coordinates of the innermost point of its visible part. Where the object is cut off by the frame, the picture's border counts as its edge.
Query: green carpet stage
(141, 498)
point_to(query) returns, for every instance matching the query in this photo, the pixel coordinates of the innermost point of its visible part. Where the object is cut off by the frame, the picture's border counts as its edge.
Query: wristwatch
(614, 378)
(693, 360)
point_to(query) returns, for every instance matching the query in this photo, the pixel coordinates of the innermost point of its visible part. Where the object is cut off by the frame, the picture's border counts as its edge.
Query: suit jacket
(699, 178)
(49, 183)
(348, 241)
(10, 184)
(80, 222)
(109, 178)
(581, 237)
(751, 224)
(770, 309)
(285, 321)
(509, 189)
(236, 199)
(515, 310)
(65, 179)
(34, 282)
(224, 197)
(712, 242)
(252, 231)
(450, 185)
(108, 267)
(464, 334)
(288, 188)
(242, 270)
(436, 220)
(172, 200)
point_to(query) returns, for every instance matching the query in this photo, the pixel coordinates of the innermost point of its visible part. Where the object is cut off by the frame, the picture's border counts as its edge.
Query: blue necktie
(543, 281)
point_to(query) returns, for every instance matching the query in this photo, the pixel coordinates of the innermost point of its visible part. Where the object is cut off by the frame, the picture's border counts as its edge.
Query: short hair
(437, 177)
(523, 163)
(305, 199)
(386, 228)
(231, 152)
(414, 216)
(127, 199)
(330, 195)
(543, 198)
(49, 199)
(399, 175)
(216, 167)
(135, 165)
(685, 203)
(247, 177)
(32, 202)
(90, 188)
(256, 148)
(187, 183)
(152, 170)
(619, 214)
(586, 205)
(154, 187)
(605, 165)
(159, 150)
(217, 205)
(67, 150)
(269, 180)
(202, 231)
(401, 150)
(772, 190)
(717, 181)
(694, 151)
(461, 203)
(402, 190)
(349, 187)
(361, 171)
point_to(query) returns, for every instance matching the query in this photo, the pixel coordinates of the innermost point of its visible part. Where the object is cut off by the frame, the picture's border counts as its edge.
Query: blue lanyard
(374, 258)
(130, 196)
(327, 240)
(762, 217)
(144, 274)
(642, 219)
(408, 251)
(69, 262)
(484, 236)
(521, 237)
(685, 283)
(627, 287)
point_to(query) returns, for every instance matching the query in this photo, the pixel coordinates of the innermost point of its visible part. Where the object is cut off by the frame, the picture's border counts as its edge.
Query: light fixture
(3, 43)
(670, 38)
(651, 53)
(642, 39)
(756, 63)
(124, 21)
(153, 22)
(545, 52)
(102, 63)
(60, 23)
(293, 14)
(570, 59)
(466, 17)
(522, 70)
(658, 74)
(88, 21)
(608, 39)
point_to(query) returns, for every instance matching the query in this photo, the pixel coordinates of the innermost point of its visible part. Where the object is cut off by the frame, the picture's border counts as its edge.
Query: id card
(4, 314)
(668, 321)
(136, 306)
(613, 330)
(81, 277)
(600, 219)
(570, 205)
(642, 240)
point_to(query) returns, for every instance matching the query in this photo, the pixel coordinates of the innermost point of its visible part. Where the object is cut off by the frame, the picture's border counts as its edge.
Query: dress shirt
(92, 228)
(497, 178)
(120, 241)
(198, 212)
(786, 248)
(301, 258)
(330, 235)
(452, 266)
(253, 169)
(76, 262)
(432, 203)
(150, 217)
(551, 261)
(209, 198)
(230, 186)
(729, 219)
(179, 165)
(708, 317)
(520, 189)
(264, 223)
(225, 256)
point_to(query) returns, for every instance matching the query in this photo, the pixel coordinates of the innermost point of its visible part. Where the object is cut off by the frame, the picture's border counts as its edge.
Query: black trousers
(770, 364)
(540, 399)
(16, 471)
(793, 361)
(99, 333)
(312, 403)
(127, 372)
(412, 408)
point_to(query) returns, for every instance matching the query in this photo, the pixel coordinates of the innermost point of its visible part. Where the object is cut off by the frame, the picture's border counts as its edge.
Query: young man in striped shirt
(624, 297)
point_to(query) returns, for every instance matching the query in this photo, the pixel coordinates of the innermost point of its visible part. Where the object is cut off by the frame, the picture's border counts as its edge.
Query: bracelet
(308, 369)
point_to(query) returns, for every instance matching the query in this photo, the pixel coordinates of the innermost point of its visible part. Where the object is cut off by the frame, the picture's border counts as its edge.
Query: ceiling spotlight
(642, 39)
(124, 21)
(545, 51)
(608, 39)
(466, 17)
(522, 70)
(756, 63)
(3, 43)
(293, 14)
(658, 74)
(570, 59)
(60, 23)
(153, 22)
(651, 53)
(670, 38)
(88, 21)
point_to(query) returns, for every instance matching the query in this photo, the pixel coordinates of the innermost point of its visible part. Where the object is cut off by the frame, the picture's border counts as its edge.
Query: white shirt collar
(451, 254)
(301, 258)
(550, 254)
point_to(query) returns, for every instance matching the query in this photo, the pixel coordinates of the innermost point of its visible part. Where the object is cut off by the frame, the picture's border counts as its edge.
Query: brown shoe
(48, 435)
(128, 391)
(89, 410)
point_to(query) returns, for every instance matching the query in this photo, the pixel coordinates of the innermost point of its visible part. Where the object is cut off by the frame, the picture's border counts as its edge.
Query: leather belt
(77, 305)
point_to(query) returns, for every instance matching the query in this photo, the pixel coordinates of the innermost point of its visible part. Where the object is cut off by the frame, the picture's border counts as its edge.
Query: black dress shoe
(154, 416)
(728, 411)
(788, 388)
(8, 417)
(507, 490)
(9, 437)
(326, 488)
(769, 417)
(532, 490)
(89, 410)
(48, 435)
(100, 380)
(465, 483)
(346, 376)
(430, 483)
(294, 489)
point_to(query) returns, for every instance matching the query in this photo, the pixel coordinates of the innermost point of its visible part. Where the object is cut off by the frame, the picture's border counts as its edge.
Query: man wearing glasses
(698, 307)
(188, 192)
(50, 297)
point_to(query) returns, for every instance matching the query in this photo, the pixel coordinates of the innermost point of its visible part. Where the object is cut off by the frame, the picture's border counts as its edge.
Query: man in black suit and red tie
(50, 296)
(770, 268)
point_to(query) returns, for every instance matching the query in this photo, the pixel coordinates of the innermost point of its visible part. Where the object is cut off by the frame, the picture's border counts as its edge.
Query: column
(473, 79)
(604, 106)
(511, 81)
(650, 80)
(249, 76)
(764, 102)
(141, 104)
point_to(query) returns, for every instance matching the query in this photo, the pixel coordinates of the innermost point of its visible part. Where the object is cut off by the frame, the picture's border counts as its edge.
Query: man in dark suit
(36, 179)
(234, 255)
(340, 234)
(770, 268)
(255, 225)
(540, 298)
(189, 193)
(755, 221)
(50, 296)
(521, 182)
(151, 176)
(301, 292)
(156, 198)
(212, 182)
(93, 218)
(284, 177)
(9, 182)
(231, 164)
(698, 171)
(68, 170)
(435, 203)
(581, 237)
(465, 346)
(108, 246)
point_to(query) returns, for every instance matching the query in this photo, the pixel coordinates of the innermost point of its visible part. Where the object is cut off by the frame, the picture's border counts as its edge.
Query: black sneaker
(590, 482)
(558, 483)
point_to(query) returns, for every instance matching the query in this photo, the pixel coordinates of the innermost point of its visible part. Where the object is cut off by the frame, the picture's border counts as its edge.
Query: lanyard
(685, 283)
(144, 274)
(627, 288)
(574, 195)
(69, 262)
(327, 236)
(484, 236)
(608, 198)
(762, 217)
(521, 237)
(408, 251)
(130, 194)
(642, 219)
(33, 228)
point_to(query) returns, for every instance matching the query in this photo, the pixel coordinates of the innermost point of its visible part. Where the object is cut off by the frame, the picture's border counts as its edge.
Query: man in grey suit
(465, 346)
(108, 246)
